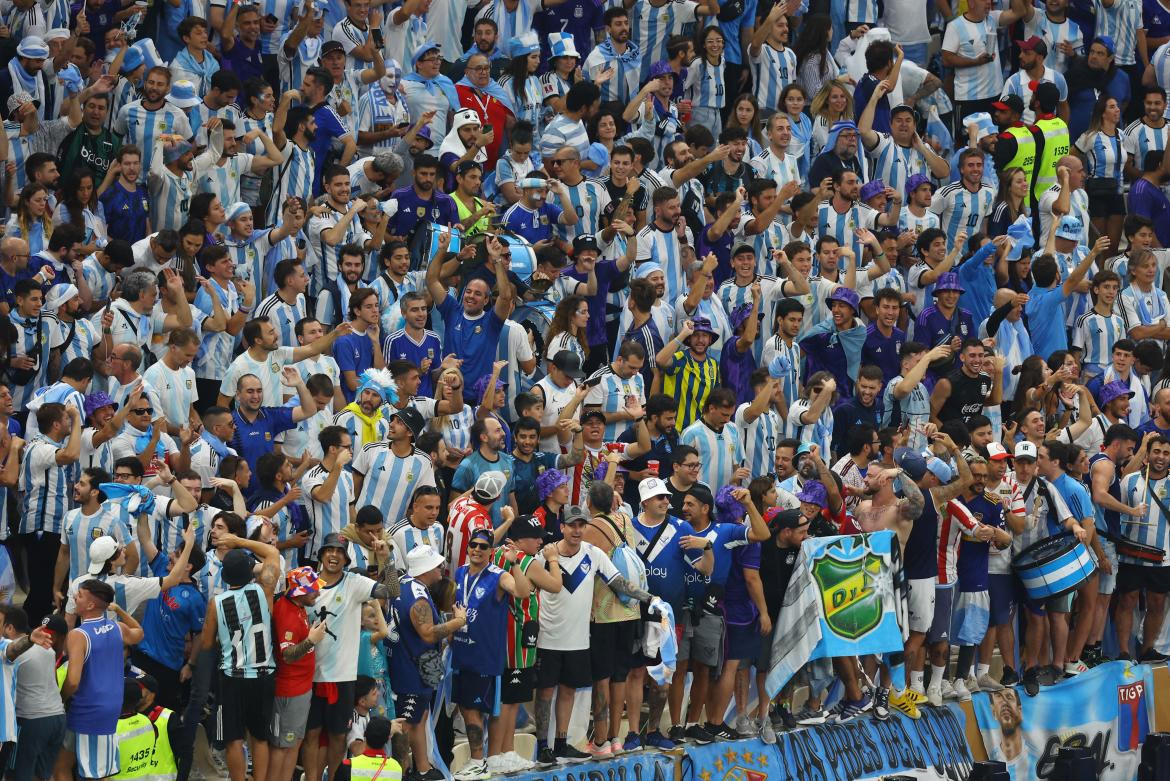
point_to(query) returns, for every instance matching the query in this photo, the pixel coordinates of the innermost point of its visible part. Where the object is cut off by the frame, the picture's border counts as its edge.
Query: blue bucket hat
(845, 296)
(948, 281)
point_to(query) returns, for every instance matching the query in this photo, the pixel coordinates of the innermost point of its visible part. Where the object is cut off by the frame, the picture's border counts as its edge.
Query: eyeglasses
(478, 546)
(694, 465)
(479, 68)
(433, 58)
(123, 476)
(143, 411)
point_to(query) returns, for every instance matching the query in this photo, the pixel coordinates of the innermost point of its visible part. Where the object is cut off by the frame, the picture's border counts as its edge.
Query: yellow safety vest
(1025, 157)
(380, 768)
(1056, 146)
(144, 747)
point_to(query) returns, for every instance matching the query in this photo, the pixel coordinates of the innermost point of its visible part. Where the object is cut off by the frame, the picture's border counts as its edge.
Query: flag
(842, 600)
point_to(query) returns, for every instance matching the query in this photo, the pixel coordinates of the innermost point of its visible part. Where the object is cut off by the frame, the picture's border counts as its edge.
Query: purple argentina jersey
(973, 554)
(1148, 200)
(576, 17)
(883, 351)
(126, 212)
(412, 210)
(401, 347)
(932, 328)
(606, 271)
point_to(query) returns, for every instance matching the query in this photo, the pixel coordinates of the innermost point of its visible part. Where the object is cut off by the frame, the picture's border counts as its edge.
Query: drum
(523, 258)
(1054, 566)
(536, 316)
(1135, 550)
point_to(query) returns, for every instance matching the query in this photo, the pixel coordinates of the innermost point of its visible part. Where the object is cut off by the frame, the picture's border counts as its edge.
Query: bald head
(1162, 397)
(11, 246)
(1002, 296)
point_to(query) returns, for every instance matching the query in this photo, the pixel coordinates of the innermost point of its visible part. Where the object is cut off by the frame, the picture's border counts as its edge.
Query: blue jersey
(1076, 497)
(480, 645)
(973, 553)
(413, 210)
(1045, 313)
(400, 346)
(405, 642)
(533, 225)
(667, 562)
(168, 620)
(474, 339)
(475, 465)
(92, 711)
(883, 351)
(724, 538)
(126, 211)
(355, 353)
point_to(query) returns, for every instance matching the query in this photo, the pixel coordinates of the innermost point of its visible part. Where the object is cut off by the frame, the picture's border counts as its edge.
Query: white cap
(1026, 449)
(101, 550)
(423, 558)
(997, 452)
(651, 487)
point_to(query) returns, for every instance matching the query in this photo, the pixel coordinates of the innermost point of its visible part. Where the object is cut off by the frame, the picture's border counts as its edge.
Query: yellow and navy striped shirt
(690, 382)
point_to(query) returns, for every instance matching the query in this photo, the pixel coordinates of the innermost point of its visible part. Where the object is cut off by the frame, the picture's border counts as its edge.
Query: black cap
(593, 413)
(570, 363)
(412, 419)
(329, 47)
(334, 540)
(526, 527)
(1010, 103)
(787, 519)
(586, 241)
(237, 568)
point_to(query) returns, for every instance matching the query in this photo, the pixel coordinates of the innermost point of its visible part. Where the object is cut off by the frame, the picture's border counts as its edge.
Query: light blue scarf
(440, 83)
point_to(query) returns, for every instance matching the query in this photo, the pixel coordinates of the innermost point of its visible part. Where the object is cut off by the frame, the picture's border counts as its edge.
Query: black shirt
(776, 567)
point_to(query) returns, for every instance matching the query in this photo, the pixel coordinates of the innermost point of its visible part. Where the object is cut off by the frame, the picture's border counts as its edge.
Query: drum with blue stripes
(1054, 566)
(523, 257)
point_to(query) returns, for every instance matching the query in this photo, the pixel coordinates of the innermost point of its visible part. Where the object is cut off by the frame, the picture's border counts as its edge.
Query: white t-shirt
(340, 607)
(561, 626)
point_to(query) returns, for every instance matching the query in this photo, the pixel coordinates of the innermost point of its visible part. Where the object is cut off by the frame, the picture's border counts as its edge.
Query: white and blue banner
(843, 600)
(933, 747)
(1108, 709)
(646, 766)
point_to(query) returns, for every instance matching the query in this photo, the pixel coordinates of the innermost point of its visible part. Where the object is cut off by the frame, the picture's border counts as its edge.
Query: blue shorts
(1003, 599)
(476, 692)
(944, 608)
(743, 642)
(97, 755)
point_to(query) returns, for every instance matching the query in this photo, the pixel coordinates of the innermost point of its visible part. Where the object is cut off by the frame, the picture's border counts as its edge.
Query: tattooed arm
(623, 586)
(292, 652)
(913, 502)
(944, 493)
(428, 630)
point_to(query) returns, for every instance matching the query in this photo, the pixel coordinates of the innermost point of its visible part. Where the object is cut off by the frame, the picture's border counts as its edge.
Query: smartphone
(487, 128)
(592, 381)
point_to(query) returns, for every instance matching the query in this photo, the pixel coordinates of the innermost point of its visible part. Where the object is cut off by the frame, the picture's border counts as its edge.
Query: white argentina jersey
(390, 481)
(894, 163)
(760, 437)
(773, 70)
(1140, 138)
(611, 394)
(720, 452)
(588, 199)
(329, 516)
(959, 209)
(652, 24)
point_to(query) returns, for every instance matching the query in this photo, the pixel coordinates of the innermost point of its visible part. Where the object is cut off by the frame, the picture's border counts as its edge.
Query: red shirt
(464, 516)
(290, 625)
(491, 112)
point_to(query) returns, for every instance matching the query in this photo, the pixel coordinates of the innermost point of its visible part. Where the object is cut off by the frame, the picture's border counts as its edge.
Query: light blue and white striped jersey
(894, 163)
(1055, 33)
(772, 70)
(781, 169)
(909, 221)
(78, 339)
(322, 258)
(350, 422)
(1120, 264)
(170, 194)
(562, 131)
(513, 347)
(390, 480)
(861, 12)
(100, 281)
(407, 537)
(627, 72)
(815, 308)
(347, 91)
(80, 530)
(819, 432)
(224, 178)
(610, 395)
(704, 84)
(44, 486)
(142, 127)
(511, 23)
(283, 316)
(1120, 21)
(972, 40)
(790, 358)
(771, 293)
(760, 438)
(1078, 207)
(720, 452)
(1160, 61)
(651, 24)
(215, 350)
(1140, 138)
(663, 248)
(1143, 307)
(59, 393)
(331, 516)
(7, 694)
(175, 389)
(1020, 83)
(456, 427)
(589, 200)
(375, 108)
(25, 344)
(1104, 155)
(529, 107)
(959, 209)
(775, 236)
(292, 177)
(1096, 334)
(843, 225)
(1076, 304)
(1154, 528)
(914, 411)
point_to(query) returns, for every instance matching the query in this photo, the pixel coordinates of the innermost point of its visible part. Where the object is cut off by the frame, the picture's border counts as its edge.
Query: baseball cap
(331, 46)
(488, 486)
(1033, 43)
(586, 241)
(1070, 228)
(574, 514)
(570, 363)
(486, 534)
(411, 418)
(911, 462)
(940, 469)
(526, 527)
(101, 550)
(779, 518)
(1025, 449)
(591, 414)
(1105, 41)
(237, 568)
(1009, 103)
(651, 487)
(997, 452)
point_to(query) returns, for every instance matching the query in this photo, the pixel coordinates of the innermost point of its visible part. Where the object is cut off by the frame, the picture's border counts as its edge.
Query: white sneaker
(972, 684)
(934, 695)
(219, 762)
(1075, 668)
(616, 747)
(948, 690)
(745, 726)
(989, 684)
(474, 770)
(767, 731)
(960, 690)
(499, 763)
(518, 762)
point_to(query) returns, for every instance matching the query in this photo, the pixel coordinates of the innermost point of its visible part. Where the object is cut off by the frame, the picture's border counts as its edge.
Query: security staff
(373, 763)
(1015, 147)
(144, 736)
(1052, 139)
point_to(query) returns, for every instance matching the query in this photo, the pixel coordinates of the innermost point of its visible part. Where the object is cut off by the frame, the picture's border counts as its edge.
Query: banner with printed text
(647, 766)
(1109, 709)
(933, 747)
(843, 600)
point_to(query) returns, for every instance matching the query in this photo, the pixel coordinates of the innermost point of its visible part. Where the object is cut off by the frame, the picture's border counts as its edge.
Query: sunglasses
(478, 546)
(143, 411)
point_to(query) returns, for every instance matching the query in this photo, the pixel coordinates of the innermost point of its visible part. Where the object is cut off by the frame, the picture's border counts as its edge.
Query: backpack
(628, 563)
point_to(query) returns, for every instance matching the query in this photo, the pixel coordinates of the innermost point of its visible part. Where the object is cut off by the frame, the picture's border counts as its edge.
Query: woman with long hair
(79, 206)
(30, 219)
(793, 99)
(745, 113)
(1011, 202)
(704, 83)
(604, 129)
(523, 85)
(259, 102)
(832, 103)
(817, 65)
(454, 427)
(208, 208)
(567, 329)
(1102, 146)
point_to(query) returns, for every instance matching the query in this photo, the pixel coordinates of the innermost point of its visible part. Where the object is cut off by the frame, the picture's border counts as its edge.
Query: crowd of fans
(315, 314)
